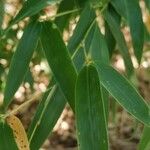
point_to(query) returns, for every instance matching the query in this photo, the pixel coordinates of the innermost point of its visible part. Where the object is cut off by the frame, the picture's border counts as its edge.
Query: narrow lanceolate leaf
(46, 117)
(18, 132)
(84, 23)
(120, 7)
(110, 40)
(99, 52)
(7, 139)
(118, 35)
(131, 10)
(147, 2)
(145, 140)
(63, 21)
(90, 113)
(136, 26)
(21, 59)
(1, 12)
(59, 60)
(125, 94)
(98, 48)
(48, 112)
(31, 8)
(79, 59)
(89, 38)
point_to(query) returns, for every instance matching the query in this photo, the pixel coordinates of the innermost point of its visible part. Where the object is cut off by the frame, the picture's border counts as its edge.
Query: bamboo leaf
(98, 49)
(30, 8)
(53, 107)
(7, 139)
(46, 117)
(63, 21)
(115, 29)
(79, 59)
(99, 52)
(125, 8)
(145, 140)
(89, 38)
(1, 13)
(86, 18)
(110, 40)
(147, 2)
(20, 61)
(56, 54)
(120, 8)
(136, 26)
(123, 92)
(90, 113)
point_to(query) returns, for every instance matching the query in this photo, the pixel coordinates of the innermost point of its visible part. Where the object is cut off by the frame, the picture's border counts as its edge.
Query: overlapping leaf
(147, 2)
(99, 52)
(110, 40)
(55, 106)
(1, 13)
(145, 140)
(31, 8)
(90, 111)
(120, 7)
(63, 21)
(131, 10)
(7, 139)
(46, 117)
(98, 49)
(115, 29)
(56, 54)
(125, 94)
(86, 19)
(21, 59)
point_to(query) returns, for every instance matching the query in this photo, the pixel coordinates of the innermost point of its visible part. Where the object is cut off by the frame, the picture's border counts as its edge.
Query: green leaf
(1, 12)
(110, 40)
(79, 59)
(90, 113)
(30, 8)
(86, 19)
(115, 29)
(81, 3)
(131, 11)
(46, 117)
(63, 21)
(146, 35)
(147, 2)
(120, 7)
(7, 139)
(123, 92)
(98, 49)
(54, 107)
(99, 52)
(134, 16)
(59, 60)
(21, 59)
(145, 140)
(29, 78)
(89, 38)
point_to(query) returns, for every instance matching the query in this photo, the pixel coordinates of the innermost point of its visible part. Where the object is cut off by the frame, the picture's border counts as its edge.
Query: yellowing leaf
(19, 132)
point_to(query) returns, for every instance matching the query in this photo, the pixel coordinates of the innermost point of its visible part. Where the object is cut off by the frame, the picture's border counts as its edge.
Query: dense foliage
(82, 75)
